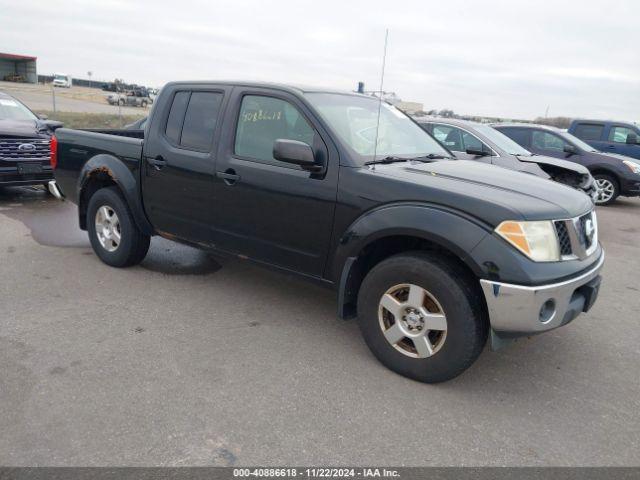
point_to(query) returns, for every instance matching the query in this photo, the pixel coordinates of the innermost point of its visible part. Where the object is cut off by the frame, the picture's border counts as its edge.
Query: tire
(144, 104)
(121, 102)
(448, 290)
(608, 189)
(132, 245)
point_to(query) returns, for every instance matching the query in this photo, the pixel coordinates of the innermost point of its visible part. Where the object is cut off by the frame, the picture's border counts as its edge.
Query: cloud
(495, 57)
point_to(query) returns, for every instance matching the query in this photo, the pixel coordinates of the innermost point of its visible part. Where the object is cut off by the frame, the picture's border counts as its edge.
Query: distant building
(18, 68)
(410, 108)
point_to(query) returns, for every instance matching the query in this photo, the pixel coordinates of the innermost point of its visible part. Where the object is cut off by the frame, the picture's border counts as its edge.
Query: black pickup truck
(431, 254)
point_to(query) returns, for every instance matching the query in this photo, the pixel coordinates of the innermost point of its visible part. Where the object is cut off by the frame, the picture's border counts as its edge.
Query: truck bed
(77, 147)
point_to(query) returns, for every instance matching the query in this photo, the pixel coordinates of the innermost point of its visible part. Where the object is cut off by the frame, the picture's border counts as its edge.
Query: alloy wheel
(108, 228)
(412, 320)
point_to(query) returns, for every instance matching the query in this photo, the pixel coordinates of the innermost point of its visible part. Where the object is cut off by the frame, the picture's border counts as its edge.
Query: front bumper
(518, 310)
(55, 190)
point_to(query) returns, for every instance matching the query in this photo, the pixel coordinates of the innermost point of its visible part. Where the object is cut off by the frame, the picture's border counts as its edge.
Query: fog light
(547, 311)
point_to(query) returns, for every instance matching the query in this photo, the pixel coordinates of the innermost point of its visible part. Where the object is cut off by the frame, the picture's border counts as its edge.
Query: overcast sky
(490, 57)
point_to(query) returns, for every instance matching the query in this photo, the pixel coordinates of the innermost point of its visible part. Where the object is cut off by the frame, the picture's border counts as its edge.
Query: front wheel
(608, 189)
(113, 233)
(422, 317)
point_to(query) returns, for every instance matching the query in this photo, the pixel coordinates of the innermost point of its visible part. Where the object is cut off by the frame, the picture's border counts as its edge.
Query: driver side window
(547, 141)
(457, 139)
(262, 121)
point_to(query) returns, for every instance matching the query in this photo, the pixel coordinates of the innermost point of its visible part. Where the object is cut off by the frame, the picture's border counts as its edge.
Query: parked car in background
(428, 252)
(62, 80)
(129, 99)
(480, 142)
(615, 175)
(609, 136)
(24, 144)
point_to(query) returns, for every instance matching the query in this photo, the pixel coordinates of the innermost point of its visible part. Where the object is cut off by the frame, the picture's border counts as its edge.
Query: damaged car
(477, 141)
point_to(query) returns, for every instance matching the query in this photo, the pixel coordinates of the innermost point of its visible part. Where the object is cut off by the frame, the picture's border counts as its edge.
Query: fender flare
(107, 166)
(449, 229)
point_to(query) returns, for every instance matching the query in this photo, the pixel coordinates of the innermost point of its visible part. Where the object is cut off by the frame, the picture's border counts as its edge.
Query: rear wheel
(608, 189)
(422, 317)
(113, 233)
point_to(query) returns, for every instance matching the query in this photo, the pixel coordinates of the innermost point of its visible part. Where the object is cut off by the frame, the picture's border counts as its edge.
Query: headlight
(633, 166)
(537, 240)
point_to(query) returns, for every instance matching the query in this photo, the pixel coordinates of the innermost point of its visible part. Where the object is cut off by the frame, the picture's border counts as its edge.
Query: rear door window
(589, 131)
(518, 135)
(200, 120)
(173, 129)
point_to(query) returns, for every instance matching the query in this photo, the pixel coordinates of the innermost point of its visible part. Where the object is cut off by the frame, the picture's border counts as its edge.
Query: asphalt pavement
(189, 359)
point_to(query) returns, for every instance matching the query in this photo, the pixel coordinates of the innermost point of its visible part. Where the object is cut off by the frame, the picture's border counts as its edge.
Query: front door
(458, 141)
(617, 141)
(179, 164)
(268, 210)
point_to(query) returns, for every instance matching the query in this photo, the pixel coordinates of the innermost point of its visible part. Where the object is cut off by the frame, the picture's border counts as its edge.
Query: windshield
(354, 119)
(577, 142)
(502, 141)
(11, 109)
(57, 76)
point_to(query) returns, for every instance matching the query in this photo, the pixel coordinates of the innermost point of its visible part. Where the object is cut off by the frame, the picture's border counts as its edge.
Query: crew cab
(431, 254)
(478, 141)
(24, 144)
(615, 175)
(609, 136)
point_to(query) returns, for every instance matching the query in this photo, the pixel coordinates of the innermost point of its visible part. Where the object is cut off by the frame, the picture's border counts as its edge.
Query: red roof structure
(11, 56)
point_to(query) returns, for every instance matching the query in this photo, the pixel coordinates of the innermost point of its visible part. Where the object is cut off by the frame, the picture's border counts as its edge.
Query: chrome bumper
(54, 190)
(517, 310)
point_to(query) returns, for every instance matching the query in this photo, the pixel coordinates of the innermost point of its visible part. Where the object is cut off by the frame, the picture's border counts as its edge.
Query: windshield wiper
(430, 157)
(424, 158)
(387, 160)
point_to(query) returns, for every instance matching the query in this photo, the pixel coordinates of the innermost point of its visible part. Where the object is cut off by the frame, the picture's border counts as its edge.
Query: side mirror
(570, 149)
(632, 139)
(477, 152)
(298, 153)
(52, 124)
(42, 117)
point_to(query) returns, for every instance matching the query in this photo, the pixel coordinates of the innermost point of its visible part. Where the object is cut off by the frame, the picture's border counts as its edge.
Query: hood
(23, 128)
(555, 162)
(488, 192)
(610, 156)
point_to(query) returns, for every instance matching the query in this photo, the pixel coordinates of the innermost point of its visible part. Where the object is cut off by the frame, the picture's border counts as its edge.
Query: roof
(12, 56)
(451, 121)
(292, 88)
(527, 125)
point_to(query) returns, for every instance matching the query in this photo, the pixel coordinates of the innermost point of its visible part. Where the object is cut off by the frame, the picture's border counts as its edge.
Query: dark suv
(24, 144)
(615, 174)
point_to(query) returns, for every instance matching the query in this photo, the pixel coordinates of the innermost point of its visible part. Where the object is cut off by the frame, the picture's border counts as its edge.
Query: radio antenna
(384, 59)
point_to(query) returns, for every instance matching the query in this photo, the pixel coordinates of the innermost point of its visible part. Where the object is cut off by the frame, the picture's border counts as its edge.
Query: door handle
(157, 162)
(229, 176)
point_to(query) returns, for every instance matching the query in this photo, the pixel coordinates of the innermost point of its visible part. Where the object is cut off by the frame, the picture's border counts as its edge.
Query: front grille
(12, 149)
(563, 238)
(577, 237)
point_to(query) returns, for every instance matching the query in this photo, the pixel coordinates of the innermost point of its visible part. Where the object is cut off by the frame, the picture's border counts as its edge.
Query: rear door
(268, 210)
(179, 162)
(593, 133)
